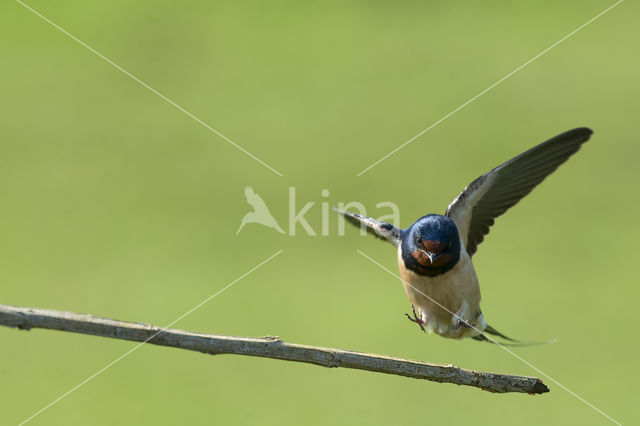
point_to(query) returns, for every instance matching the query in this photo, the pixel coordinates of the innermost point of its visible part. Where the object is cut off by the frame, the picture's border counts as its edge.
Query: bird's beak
(432, 256)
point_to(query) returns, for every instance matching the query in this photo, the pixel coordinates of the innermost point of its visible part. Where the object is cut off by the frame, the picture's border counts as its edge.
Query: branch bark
(267, 347)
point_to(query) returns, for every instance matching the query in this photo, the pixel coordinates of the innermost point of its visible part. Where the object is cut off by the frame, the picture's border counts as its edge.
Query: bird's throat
(420, 263)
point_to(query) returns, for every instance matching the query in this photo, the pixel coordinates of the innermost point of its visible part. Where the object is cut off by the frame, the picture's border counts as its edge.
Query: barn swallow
(434, 254)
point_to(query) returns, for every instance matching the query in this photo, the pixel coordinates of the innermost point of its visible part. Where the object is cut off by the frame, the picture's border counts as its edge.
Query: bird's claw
(460, 322)
(416, 319)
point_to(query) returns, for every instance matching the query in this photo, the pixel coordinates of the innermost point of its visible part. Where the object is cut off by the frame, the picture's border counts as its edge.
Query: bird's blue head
(431, 246)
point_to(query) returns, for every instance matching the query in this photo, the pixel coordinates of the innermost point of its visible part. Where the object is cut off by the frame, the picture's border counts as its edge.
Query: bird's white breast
(437, 299)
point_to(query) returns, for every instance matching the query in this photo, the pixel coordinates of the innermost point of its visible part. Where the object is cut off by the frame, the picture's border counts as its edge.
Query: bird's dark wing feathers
(493, 193)
(382, 230)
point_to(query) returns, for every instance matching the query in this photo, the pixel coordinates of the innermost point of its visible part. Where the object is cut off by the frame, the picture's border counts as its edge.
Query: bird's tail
(244, 222)
(510, 342)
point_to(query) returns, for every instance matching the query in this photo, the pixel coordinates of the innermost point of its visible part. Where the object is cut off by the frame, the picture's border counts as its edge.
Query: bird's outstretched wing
(493, 193)
(383, 230)
(254, 199)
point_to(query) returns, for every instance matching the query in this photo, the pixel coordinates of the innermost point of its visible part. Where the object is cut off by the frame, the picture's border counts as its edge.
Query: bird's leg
(416, 319)
(461, 318)
(460, 322)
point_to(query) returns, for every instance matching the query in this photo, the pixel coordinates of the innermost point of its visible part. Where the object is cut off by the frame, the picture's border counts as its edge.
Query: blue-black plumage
(431, 246)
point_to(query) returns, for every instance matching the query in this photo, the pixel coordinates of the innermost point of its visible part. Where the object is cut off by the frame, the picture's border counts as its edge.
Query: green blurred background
(117, 204)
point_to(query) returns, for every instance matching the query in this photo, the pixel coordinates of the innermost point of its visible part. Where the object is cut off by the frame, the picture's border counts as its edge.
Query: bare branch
(267, 347)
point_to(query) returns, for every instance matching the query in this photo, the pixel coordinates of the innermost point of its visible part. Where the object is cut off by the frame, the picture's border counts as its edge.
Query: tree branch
(267, 347)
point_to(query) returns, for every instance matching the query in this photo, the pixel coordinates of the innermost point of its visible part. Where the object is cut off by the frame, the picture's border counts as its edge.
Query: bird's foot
(462, 318)
(416, 319)
(459, 322)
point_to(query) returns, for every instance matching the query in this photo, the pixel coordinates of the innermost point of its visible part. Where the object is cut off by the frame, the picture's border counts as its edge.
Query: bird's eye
(419, 241)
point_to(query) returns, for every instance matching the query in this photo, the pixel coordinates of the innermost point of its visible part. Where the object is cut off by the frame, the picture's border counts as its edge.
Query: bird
(260, 213)
(435, 253)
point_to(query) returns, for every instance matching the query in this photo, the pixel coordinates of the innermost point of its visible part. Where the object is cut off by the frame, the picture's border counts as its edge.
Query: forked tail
(490, 330)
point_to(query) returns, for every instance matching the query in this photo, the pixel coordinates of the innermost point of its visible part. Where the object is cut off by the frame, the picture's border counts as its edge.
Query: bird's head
(431, 246)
